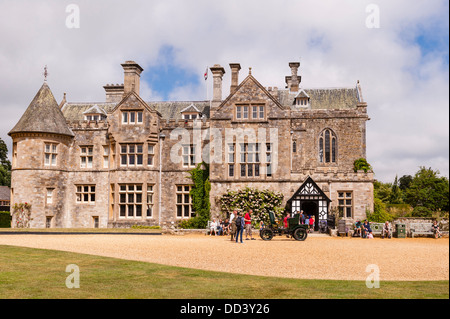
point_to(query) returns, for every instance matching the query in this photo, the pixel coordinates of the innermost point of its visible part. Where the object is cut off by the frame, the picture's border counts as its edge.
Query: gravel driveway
(315, 258)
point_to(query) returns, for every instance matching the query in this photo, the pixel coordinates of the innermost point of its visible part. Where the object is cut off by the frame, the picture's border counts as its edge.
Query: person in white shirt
(213, 228)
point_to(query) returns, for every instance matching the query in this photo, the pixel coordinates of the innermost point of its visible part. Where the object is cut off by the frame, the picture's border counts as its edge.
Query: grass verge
(27, 273)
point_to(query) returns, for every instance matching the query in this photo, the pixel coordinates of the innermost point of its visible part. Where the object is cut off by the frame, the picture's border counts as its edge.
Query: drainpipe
(161, 139)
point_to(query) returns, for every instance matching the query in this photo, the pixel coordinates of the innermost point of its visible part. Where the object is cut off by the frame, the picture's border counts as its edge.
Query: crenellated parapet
(88, 125)
(187, 124)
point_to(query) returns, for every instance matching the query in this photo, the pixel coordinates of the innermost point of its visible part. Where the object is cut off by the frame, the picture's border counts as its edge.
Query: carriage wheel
(300, 234)
(266, 234)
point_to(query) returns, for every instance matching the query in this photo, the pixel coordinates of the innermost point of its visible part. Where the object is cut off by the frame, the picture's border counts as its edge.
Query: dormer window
(95, 113)
(301, 102)
(302, 99)
(191, 113)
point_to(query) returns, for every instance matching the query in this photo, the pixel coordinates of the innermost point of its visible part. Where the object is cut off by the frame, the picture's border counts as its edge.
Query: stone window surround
(235, 156)
(332, 148)
(345, 201)
(133, 153)
(50, 153)
(132, 117)
(256, 107)
(86, 156)
(130, 201)
(183, 206)
(85, 193)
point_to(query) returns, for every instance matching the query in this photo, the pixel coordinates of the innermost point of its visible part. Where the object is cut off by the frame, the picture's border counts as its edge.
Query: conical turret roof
(43, 115)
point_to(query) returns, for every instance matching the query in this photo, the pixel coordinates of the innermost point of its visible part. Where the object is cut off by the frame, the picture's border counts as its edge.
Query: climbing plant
(22, 214)
(261, 202)
(200, 197)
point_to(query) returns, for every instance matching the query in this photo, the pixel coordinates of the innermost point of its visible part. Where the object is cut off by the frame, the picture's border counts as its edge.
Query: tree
(5, 165)
(396, 196)
(404, 182)
(429, 191)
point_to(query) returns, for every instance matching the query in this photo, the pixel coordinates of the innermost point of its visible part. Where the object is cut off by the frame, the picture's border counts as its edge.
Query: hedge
(5, 220)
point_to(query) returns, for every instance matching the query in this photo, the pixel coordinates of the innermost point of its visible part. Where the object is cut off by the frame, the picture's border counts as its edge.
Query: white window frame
(85, 194)
(50, 154)
(86, 156)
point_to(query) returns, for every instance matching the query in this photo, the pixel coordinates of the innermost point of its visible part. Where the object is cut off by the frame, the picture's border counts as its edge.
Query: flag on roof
(206, 74)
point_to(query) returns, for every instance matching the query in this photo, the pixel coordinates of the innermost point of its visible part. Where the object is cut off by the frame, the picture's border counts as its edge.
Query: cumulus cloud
(402, 65)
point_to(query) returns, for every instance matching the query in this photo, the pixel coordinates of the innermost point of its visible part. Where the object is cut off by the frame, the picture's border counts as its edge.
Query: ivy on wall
(200, 197)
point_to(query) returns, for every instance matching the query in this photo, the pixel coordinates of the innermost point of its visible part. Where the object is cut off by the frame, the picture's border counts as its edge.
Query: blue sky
(403, 66)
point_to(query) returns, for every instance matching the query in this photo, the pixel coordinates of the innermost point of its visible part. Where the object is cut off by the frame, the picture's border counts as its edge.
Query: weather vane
(45, 73)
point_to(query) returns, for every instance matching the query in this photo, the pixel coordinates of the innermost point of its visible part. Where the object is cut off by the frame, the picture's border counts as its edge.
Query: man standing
(248, 224)
(233, 224)
(239, 226)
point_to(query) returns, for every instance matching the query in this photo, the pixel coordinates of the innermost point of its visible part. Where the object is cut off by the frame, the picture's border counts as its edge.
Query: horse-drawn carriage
(295, 229)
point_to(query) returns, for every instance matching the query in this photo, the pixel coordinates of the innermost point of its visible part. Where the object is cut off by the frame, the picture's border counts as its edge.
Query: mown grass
(27, 273)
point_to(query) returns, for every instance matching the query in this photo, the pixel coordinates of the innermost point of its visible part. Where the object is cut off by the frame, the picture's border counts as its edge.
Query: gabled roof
(190, 108)
(309, 188)
(95, 109)
(302, 93)
(43, 115)
(139, 100)
(250, 78)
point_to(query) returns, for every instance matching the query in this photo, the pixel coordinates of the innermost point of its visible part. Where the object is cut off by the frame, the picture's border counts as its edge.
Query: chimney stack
(132, 74)
(218, 73)
(293, 81)
(235, 67)
(114, 92)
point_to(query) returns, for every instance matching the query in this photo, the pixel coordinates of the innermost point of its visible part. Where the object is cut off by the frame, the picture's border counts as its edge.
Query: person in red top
(285, 220)
(248, 224)
(311, 224)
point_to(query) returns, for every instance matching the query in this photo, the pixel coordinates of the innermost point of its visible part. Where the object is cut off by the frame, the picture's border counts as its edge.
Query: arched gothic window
(327, 146)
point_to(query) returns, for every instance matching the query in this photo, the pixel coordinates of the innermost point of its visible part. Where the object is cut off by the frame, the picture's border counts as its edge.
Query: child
(311, 224)
(307, 222)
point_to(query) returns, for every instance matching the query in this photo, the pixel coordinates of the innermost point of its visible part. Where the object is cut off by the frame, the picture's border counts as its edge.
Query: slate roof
(73, 112)
(5, 193)
(319, 99)
(323, 99)
(43, 115)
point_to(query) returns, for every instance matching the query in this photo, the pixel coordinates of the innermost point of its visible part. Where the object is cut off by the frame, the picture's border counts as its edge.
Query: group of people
(219, 228)
(363, 230)
(303, 219)
(235, 226)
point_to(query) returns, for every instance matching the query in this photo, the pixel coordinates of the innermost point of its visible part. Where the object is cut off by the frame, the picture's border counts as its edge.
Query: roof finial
(45, 73)
(249, 70)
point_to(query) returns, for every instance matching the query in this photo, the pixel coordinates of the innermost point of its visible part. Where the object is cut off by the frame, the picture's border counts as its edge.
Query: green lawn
(36, 273)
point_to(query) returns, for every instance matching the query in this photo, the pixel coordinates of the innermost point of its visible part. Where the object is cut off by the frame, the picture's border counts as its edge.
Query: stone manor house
(125, 161)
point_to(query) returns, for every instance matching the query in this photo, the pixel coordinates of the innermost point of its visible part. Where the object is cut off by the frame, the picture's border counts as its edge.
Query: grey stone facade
(126, 161)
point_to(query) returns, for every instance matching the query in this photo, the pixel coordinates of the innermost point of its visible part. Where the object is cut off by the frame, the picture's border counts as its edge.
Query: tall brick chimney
(132, 74)
(235, 67)
(218, 73)
(293, 81)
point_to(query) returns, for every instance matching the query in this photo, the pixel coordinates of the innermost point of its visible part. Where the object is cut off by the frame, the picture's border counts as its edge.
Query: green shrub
(379, 215)
(145, 227)
(5, 220)
(361, 164)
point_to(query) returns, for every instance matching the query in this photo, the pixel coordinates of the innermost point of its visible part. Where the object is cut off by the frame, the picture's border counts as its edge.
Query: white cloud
(406, 91)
